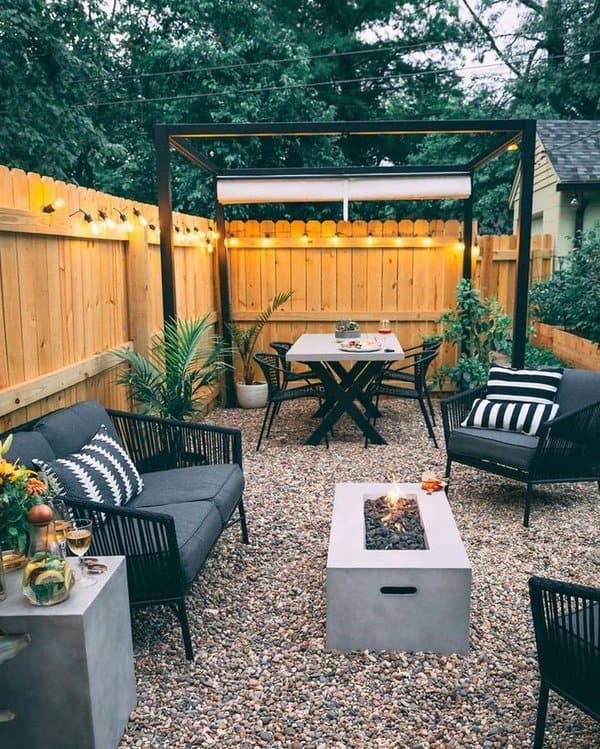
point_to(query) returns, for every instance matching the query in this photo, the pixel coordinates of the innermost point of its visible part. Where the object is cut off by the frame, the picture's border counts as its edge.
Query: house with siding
(566, 190)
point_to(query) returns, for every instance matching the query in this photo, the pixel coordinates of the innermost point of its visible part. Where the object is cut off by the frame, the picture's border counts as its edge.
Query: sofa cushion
(68, 429)
(100, 472)
(221, 484)
(530, 385)
(578, 388)
(512, 449)
(26, 446)
(509, 416)
(197, 526)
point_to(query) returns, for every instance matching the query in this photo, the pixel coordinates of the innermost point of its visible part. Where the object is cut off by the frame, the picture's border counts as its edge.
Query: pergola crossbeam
(509, 132)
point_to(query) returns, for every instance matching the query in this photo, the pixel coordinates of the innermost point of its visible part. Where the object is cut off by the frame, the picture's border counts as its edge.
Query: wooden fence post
(138, 284)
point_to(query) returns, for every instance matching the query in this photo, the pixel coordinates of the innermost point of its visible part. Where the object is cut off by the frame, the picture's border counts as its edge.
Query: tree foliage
(82, 83)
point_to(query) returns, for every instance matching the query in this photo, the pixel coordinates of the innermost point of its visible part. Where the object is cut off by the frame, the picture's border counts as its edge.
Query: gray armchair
(565, 449)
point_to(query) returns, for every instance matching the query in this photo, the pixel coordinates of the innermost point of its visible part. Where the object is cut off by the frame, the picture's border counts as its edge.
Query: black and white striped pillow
(524, 385)
(100, 472)
(511, 417)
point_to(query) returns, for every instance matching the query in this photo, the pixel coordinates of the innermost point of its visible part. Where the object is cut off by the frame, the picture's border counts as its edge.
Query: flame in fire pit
(396, 502)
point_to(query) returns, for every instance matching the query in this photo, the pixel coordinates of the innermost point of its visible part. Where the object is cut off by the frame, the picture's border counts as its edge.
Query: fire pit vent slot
(398, 590)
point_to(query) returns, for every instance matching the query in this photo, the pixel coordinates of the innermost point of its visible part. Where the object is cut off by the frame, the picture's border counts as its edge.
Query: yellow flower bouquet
(20, 489)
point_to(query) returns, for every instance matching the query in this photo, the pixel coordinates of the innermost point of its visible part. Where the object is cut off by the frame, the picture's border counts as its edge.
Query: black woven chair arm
(456, 407)
(571, 416)
(156, 444)
(297, 375)
(146, 539)
(565, 588)
(569, 446)
(98, 511)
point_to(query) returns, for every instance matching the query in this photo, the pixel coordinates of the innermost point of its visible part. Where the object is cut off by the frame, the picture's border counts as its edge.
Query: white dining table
(325, 355)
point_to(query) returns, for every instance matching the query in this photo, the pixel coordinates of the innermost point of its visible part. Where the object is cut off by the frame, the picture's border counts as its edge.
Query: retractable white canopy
(320, 188)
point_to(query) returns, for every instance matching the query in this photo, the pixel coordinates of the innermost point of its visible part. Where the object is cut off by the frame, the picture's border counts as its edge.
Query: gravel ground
(262, 677)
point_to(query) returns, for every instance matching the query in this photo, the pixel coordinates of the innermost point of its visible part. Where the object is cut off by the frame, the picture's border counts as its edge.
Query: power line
(275, 61)
(304, 85)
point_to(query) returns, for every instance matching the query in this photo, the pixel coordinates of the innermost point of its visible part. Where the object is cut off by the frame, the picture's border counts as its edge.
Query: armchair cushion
(513, 449)
(220, 484)
(509, 416)
(27, 446)
(578, 388)
(530, 385)
(67, 429)
(197, 527)
(101, 471)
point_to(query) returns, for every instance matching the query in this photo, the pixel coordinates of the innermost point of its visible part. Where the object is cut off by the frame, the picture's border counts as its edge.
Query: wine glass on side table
(79, 538)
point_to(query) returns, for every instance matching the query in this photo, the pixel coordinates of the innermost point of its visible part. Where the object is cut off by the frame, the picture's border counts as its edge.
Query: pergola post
(467, 271)
(223, 272)
(165, 220)
(524, 243)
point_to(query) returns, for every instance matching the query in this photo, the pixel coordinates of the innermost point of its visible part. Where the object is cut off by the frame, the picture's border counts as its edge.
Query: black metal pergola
(505, 133)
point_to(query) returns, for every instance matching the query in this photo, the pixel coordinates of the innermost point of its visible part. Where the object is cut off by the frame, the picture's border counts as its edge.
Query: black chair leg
(540, 723)
(430, 404)
(427, 421)
(262, 429)
(528, 498)
(185, 629)
(243, 523)
(447, 474)
(274, 413)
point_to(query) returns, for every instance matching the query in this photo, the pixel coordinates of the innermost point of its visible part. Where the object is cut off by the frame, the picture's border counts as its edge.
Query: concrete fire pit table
(396, 600)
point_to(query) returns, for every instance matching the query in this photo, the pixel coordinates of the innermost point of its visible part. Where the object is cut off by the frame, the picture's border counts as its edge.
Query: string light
(126, 222)
(107, 219)
(209, 246)
(140, 217)
(55, 205)
(87, 217)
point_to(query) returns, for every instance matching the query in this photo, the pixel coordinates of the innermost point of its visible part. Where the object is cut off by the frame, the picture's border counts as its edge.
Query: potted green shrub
(249, 392)
(184, 358)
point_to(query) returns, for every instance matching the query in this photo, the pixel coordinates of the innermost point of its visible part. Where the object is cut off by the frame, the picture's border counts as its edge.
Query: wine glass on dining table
(79, 538)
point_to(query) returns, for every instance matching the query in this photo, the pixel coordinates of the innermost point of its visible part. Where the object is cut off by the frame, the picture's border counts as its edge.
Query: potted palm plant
(183, 359)
(249, 393)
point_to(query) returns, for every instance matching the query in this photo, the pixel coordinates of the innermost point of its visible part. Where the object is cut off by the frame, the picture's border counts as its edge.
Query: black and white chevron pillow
(100, 472)
(525, 385)
(511, 417)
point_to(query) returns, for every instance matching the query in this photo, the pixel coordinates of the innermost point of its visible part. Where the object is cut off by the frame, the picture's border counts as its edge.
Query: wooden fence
(85, 278)
(403, 271)
(78, 282)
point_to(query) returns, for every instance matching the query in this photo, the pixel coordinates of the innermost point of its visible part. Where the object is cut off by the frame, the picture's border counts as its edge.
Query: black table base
(344, 388)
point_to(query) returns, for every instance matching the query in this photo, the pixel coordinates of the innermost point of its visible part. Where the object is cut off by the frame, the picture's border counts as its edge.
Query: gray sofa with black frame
(566, 449)
(193, 487)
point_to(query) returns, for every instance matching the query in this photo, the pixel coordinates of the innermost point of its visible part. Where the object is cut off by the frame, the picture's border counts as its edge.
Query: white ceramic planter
(251, 396)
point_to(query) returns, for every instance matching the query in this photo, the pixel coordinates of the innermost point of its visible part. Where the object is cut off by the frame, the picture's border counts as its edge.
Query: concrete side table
(73, 687)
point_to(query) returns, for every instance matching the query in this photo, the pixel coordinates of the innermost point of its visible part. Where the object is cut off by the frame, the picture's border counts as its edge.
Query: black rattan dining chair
(566, 621)
(410, 374)
(282, 347)
(279, 393)
(409, 381)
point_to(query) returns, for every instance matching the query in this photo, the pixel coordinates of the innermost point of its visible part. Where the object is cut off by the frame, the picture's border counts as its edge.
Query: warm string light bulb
(126, 223)
(140, 216)
(55, 205)
(89, 219)
(109, 223)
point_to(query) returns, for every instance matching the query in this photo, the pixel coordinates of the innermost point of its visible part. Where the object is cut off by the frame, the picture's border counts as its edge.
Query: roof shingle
(573, 147)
